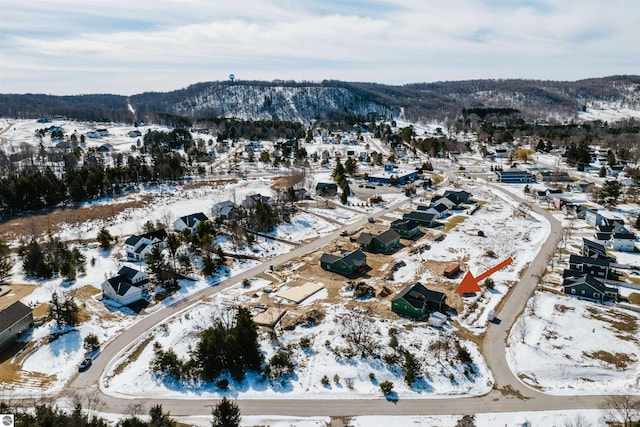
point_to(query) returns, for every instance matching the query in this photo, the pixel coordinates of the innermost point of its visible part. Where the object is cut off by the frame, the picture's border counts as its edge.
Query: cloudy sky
(66, 47)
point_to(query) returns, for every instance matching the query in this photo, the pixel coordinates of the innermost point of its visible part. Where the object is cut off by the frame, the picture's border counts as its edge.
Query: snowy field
(312, 364)
(567, 346)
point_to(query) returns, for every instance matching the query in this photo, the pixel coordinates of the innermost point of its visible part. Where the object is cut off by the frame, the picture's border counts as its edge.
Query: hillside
(329, 100)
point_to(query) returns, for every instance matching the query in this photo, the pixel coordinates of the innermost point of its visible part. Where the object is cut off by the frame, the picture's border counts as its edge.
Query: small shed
(452, 270)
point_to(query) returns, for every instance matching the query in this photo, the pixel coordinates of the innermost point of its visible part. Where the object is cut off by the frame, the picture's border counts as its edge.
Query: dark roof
(133, 240)
(387, 236)
(596, 247)
(592, 282)
(356, 258)
(12, 315)
(624, 236)
(159, 234)
(440, 207)
(603, 236)
(575, 259)
(404, 224)
(128, 272)
(365, 238)
(458, 197)
(384, 237)
(605, 228)
(419, 216)
(417, 295)
(120, 284)
(330, 258)
(326, 186)
(193, 219)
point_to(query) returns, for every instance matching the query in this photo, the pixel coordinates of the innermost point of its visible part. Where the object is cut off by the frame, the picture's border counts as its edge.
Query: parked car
(344, 233)
(371, 219)
(84, 365)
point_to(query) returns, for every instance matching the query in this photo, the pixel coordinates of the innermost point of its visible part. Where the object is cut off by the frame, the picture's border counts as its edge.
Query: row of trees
(225, 413)
(50, 258)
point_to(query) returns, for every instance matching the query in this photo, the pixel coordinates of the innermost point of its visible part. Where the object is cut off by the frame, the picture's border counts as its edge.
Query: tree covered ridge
(308, 101)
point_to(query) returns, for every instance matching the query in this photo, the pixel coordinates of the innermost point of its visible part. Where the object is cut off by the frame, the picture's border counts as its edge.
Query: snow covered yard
(326, 364)
(565, 346)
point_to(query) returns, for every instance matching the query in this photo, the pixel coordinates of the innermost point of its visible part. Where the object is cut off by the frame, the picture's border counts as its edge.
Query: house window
(596, 295)
(582, 292)
(573, 291)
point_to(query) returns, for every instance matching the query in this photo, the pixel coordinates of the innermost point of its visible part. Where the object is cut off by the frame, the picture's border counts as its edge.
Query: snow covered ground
(567, 346)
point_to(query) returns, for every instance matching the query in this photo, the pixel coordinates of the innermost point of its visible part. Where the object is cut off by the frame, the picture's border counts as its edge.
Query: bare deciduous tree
(521, 328)
(622, 409)
(578, 421)
(358, 330)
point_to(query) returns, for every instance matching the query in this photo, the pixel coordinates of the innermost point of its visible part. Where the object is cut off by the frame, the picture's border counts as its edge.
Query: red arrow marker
(470, 284)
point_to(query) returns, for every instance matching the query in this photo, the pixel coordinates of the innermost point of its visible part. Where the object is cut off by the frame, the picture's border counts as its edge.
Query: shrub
(325, 380)
(489, 283)
(386, 387)
(91, 342)
(490, 254)
(305, 342)
(222, 384)
(336, 379)
(372, 376)
(480, 233)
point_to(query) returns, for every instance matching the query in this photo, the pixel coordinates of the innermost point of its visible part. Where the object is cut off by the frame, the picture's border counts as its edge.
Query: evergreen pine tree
(226, 413)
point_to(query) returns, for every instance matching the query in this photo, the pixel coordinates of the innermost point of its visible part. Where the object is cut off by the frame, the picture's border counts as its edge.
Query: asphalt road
(508, 394)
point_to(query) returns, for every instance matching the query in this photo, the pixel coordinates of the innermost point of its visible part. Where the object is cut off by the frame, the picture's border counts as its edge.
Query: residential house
(350, 263)
(599, 268)
(594, 250)
(252, 200)
(326, 189)
(623, 240)
(383, 242)
(224, 209)
(119, 289)
(459, 198)
(422, 218)
(137, 247)
(189, 222)
(406, 228)
(614, 170)
(440, 210)
(134, 277)
(128, 286)
(514, 176)
(589, 287)
(14, 320)
(554, 176)
(416, 301)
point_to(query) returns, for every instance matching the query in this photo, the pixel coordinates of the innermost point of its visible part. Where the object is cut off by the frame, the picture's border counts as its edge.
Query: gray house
(14, 320)
(589, 287)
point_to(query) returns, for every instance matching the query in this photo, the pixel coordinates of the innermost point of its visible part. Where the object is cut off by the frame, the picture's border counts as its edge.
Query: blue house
(514, 176)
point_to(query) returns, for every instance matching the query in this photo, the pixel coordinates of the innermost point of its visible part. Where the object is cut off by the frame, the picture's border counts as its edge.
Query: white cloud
(387, 41)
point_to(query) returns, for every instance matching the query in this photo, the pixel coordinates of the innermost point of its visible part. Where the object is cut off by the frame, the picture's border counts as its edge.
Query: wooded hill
(331, 100)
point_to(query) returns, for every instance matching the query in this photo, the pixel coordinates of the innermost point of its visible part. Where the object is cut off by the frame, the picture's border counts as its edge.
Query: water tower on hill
(232, 77)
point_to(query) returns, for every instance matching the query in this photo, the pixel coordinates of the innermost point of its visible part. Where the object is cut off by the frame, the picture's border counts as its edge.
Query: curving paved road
(508, 395)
